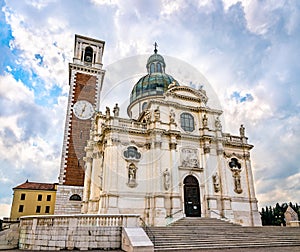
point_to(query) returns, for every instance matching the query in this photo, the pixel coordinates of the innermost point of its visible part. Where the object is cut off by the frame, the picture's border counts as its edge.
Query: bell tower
(85, 80)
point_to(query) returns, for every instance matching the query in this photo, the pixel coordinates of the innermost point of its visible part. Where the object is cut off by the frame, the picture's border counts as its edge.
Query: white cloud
(51, 44)
(169, 7)
(264, 16)
(39, 4)
(286, 190)
(4, 210)
(104, 2)
(30, 136)
(15, 92)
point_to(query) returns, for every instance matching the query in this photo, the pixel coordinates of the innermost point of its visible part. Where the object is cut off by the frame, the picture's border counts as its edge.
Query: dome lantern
(156, 62)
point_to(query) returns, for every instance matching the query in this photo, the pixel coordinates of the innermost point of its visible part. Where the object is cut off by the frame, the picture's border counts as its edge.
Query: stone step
(218, 233)
(221, 247)
(225, 239)
(205, 233)
(161, 242)
(245, 244)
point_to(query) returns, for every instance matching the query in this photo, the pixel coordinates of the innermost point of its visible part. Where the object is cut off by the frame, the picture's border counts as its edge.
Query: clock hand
(83, 109)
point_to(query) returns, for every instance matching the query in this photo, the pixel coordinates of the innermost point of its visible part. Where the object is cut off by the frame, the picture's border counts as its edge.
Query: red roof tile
(36, 186)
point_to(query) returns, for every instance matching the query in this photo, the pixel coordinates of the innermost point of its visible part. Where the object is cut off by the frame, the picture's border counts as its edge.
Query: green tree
(263, 216)
(275, 215)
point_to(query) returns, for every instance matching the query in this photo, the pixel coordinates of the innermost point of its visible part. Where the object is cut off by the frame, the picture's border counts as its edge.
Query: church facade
(169, 159)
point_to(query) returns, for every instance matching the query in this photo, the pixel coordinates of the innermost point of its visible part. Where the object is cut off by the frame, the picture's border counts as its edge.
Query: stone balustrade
(126, 123)
(82, 220)
(80, 231)
(231, 138)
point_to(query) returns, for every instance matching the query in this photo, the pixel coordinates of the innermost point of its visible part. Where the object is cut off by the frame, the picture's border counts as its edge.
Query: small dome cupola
(156, 62)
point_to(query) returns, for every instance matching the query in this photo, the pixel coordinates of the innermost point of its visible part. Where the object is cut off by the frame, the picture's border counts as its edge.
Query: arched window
(75, 197)
(144, 106)
(88, 54)
(152, 68)
(187, 122)
(158, 67)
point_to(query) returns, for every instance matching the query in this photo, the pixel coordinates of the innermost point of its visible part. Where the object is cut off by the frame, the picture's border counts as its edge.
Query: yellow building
(31, 198)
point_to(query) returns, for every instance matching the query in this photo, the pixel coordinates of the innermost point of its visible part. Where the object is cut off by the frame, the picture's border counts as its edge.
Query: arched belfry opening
(192, 206)
(88, 54)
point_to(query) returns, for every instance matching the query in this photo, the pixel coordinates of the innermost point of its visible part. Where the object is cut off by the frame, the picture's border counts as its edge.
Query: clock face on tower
(83, 110)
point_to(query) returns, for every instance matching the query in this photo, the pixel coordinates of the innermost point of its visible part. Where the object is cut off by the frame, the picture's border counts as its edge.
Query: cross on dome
(155, 48)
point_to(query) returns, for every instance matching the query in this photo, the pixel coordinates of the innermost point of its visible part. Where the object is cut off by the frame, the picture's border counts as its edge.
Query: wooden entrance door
(191, 197)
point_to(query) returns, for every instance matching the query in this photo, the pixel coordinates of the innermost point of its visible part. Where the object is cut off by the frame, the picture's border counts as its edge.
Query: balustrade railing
(233, 138)
(131, 124)
(82, 220)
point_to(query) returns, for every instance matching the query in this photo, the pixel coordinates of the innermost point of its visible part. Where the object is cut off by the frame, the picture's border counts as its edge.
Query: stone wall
(63, 204)
(9, 237)
(70, 232)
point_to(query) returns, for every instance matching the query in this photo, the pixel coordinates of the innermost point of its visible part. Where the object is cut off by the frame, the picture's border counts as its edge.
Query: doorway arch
(192, 206)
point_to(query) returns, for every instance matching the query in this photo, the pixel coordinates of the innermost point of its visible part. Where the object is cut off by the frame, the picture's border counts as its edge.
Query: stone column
(87, 184)
(80, 51)
(174, 164)
(249, 175)
(255, 216)
(97, 55)
(94, 184)
(206, 174)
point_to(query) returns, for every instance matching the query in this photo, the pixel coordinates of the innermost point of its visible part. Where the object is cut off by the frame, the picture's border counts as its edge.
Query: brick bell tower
(85, 80)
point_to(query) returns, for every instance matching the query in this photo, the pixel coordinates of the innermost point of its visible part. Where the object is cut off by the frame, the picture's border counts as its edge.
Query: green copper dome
(151, 85)
(156, 82)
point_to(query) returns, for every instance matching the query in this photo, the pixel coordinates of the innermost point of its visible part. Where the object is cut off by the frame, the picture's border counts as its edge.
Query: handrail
(172, 214)
(221, 215)
(148, 229)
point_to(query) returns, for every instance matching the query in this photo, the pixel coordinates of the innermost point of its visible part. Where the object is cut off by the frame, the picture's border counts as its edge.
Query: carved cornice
(187, 168)
(235, 144)
(132, 142)
(109, 128)
(230, 155)
(186, 107)
(86, 69)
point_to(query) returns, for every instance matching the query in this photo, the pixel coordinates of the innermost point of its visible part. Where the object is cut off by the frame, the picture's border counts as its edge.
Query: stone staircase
(207, 233)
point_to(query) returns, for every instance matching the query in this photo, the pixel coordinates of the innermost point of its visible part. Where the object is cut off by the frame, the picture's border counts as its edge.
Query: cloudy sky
(248, 50)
